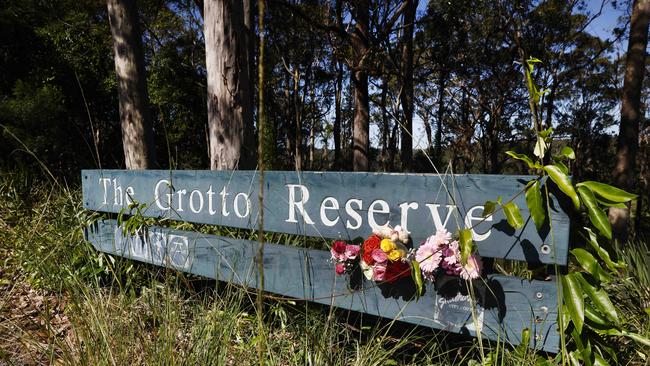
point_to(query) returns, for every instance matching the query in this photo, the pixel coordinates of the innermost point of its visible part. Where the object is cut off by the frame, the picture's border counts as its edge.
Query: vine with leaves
(586, 312)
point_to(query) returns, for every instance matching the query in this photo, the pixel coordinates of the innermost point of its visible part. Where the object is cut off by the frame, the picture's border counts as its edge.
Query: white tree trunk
(230, 111)
(137, 132)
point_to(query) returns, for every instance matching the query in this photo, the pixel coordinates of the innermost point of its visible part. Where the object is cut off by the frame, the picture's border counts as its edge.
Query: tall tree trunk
(426, 121)
(297, 109)
(338, 88)
(628, 137)
(407, 85)
(441, 113)
(135, 119)
(385, 132)
(250, 43)
(359, 76)
(230, 110)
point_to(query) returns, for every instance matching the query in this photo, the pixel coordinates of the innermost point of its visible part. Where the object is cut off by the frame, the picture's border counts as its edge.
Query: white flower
(367, 270)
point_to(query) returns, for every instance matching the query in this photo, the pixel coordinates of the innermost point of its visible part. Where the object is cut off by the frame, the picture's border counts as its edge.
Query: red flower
(396, 270)
(338, 251)
(340, 269)
(369, 245)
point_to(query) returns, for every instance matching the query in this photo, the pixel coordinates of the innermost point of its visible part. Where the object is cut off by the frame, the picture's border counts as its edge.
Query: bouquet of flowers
(384, 255)
(440, 253)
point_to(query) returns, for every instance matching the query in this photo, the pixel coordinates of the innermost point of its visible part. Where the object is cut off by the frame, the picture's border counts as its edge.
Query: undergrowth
(116, 311)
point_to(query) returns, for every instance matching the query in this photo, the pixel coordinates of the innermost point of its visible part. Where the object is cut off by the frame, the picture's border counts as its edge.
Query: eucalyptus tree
(229, 89)
(135, 117)
(628, 139)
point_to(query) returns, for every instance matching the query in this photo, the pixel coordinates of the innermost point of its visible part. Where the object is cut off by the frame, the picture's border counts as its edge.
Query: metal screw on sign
(546, 249)
(539, 295)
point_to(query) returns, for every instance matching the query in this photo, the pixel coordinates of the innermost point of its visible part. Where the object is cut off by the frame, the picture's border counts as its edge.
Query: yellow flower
(396, 254)
(387, 245)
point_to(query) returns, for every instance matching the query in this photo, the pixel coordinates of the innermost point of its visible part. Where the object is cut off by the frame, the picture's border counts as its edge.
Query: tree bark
(338, 88)
(407, 85)
(628, 138)
(359, 76)
(230, 110)
(441, 114)
(385, 133)
(135, 119)
(297, 110)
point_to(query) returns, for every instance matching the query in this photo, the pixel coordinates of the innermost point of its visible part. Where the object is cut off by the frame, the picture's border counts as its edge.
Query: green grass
(120, 312)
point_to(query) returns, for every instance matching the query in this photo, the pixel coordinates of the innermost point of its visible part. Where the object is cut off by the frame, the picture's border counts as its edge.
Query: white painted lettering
(156, 195)
(224, 193)
(433, 207)
(329, 203)
(353, 214)
(383, 209)
(180, 194)
(200, 195)
(248, 205)
(128, 197)
(117, 189)
(211, 210)
(107, 182)
(469, 222)
(300, 205)
(404, 208)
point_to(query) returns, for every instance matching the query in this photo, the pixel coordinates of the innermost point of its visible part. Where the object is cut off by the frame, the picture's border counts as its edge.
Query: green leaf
(563, 182)
(568, 153)
(608, 192)
(591, 265)
(599, 360)
(600, 299)
(417, 278)
(637, 337)
(572, 294)
(535, 203)
(583, 345)
(546, 133)
(593, 315)
(596, 215)
(524, 158)
(608, 203)
(561, 165)
(488, 208)
(602, 253)
(513, 215)
(466, 245)
(574, 358)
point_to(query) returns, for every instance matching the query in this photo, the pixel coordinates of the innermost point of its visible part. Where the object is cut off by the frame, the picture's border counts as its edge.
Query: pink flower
(428, 256)
(442, 237)
(338, 250)
(379, 256)
(352, 251)
(472, 269)
(452, 254)
(340, 268)
(378, 272)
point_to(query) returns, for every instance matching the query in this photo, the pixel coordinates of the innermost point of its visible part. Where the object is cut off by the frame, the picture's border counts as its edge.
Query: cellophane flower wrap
(440, 254)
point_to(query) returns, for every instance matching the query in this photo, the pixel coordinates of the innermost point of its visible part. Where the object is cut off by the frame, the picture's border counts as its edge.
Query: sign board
(335, 205)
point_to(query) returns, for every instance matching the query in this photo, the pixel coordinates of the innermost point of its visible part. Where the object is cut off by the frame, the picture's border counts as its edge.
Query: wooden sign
(336, 205)
(341, 206)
